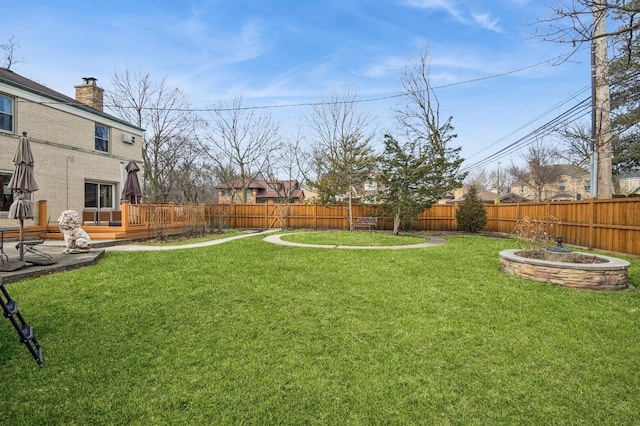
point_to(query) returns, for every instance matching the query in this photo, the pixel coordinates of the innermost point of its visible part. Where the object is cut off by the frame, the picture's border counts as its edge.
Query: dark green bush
(471, 214)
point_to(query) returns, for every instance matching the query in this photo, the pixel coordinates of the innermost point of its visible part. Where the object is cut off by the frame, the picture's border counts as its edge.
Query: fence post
(592, 220)
(42, 212)
(266, 215)
(235, 213)
(124, 215)
(172, 212)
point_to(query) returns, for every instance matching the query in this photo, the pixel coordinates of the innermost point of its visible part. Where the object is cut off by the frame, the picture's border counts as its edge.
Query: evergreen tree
(471, 214)
(415, 177)
(625, 105)
(418, 173)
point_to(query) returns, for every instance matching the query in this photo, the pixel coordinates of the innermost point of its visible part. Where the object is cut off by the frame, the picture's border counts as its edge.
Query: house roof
(290, 187)
(16, 80)
(489, 197)
(562, 196)
(571, 170)
(237, 184)
(513, 198)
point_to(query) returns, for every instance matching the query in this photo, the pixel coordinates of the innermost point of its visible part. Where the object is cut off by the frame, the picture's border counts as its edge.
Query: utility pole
(601, 107)
(497, 201)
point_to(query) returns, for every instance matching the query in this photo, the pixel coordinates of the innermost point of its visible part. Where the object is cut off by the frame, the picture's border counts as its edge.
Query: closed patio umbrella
(23, 184)
(131, 191)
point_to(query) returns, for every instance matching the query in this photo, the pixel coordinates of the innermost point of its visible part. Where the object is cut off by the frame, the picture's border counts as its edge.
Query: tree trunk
(396, 222)
(350, 213)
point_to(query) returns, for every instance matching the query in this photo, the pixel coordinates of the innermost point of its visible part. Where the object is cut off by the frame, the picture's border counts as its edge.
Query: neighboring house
(371, 191)
(488, 197)
(367, 192)
(80, 152)
(629, 183)
(262, 191)
(573, 183)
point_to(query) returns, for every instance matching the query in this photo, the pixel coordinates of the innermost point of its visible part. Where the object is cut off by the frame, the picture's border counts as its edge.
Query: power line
(533, 120)
(322, 103)
(530, 138)
(572, 114)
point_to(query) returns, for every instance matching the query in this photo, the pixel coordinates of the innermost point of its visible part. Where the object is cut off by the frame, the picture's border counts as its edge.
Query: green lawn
(255, 333)
(353, 238)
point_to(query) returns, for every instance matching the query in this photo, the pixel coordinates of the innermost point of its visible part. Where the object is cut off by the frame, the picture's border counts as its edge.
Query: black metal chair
(31, 246)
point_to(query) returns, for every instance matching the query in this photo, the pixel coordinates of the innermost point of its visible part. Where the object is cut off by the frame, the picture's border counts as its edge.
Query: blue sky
(278, 52)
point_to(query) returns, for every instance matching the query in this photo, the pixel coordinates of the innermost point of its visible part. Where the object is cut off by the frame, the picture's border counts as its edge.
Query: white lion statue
(74, 236)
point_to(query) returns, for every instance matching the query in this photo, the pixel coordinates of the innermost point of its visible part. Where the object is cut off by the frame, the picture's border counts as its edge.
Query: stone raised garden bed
(574, 269)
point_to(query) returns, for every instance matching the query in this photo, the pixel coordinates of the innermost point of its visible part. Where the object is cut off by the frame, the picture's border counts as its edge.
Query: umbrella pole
(21, 240)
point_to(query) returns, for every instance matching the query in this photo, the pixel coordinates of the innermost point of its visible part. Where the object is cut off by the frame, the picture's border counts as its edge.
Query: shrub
(216, 218)
(471, 214)
(536, 234)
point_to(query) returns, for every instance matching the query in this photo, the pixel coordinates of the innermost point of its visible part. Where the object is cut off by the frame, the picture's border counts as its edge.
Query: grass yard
(366, 238)
(255, 333)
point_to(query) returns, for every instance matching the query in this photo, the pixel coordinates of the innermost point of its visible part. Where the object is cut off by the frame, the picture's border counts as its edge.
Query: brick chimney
(90, 94)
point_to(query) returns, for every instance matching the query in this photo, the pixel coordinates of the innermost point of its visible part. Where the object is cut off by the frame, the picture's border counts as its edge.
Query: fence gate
(274, 216)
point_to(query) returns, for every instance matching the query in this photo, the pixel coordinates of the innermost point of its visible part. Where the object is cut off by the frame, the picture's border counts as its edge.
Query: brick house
(487, 197)
(262, 191)
(80, 151)
(573, 183)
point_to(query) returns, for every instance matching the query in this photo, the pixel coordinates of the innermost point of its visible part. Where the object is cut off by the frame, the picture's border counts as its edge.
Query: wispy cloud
(383, 68)
(245, 43)
(448, 6)
(487, 22)
(484, 20)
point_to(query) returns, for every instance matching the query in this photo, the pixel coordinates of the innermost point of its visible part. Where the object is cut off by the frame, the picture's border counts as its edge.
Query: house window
(7, 194)
(563, 185)
(587, 185)
(6, 113)
(272, 187)
(371, 185)
(98, 195)
(521, 189)
(102, 138)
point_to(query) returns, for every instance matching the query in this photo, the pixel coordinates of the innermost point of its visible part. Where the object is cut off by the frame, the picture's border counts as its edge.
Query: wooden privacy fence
(612, 225)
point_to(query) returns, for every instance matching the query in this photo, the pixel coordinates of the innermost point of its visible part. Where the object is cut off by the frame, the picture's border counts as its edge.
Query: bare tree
(483, 180)
(194, 178)
(540, 170)
(170, 129)
(419, 118)
(286, 164)
(9, 49)
(240, 142)
(571, 21)
(286, 175)
(343, 156)
(578, 144)
(419, 112)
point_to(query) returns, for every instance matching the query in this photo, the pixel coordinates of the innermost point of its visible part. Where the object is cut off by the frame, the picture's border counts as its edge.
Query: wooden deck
(140, 221)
